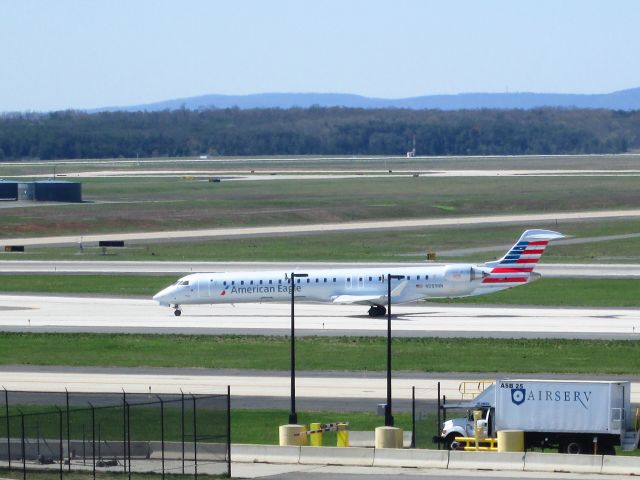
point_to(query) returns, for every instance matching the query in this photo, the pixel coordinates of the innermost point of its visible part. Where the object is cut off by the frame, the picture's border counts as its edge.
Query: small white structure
(412, 153)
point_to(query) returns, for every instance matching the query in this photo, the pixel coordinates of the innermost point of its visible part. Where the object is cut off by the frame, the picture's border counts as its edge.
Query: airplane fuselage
(364, 286)
(327, 285)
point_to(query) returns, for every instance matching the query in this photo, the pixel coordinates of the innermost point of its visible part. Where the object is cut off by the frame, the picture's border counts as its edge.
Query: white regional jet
(364, 286)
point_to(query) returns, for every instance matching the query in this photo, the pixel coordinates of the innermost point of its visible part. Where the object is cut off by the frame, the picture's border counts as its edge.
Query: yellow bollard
(315, 439)
(343, 435)
(477, 416)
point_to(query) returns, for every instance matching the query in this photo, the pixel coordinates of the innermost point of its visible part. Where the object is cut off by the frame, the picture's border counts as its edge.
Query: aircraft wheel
(177, 312)
(377, 311)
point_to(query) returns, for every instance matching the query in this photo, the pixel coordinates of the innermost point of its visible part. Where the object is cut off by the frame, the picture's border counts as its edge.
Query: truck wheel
(449, 439)
(573, 448)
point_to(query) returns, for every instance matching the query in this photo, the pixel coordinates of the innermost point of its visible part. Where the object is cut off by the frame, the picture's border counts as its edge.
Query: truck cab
(466, 426)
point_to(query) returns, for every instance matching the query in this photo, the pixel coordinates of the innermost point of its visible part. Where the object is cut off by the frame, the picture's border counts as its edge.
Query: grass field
(392, 246)
(340, 353)
(244, 165)
(144, 204)
(248, 425)
(577, 292)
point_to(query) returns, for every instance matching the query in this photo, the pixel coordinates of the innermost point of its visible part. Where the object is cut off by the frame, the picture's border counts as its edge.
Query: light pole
(293, 416)
(388, 418)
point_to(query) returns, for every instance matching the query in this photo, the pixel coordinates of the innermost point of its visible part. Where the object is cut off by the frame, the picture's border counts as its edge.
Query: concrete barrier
(361, 457)
(397, 457)
(620, 465)
(368, 439)
(173, 450)
(486, 460)
(266, 453)
(559, 462)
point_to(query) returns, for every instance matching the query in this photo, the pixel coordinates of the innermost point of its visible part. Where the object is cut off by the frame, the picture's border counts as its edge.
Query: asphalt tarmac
(100, 314)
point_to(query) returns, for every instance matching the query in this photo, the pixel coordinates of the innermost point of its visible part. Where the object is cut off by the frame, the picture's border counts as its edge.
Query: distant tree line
(326, 131)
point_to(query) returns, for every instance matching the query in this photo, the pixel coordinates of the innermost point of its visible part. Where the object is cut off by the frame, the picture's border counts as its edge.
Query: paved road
(341, 391)
(326, 227)
(315, 472)
(266, 174)
(99, 314)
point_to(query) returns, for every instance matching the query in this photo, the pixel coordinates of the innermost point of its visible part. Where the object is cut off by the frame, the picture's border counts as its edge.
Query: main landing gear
(377, 311)
(177, 312)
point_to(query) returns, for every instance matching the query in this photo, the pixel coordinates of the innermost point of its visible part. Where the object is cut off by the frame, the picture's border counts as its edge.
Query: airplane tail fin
(516, 267)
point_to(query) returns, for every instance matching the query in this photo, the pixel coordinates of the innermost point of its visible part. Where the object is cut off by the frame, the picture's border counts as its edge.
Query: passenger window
(334, 279)
(370, 279)
(270, 282)
(241, 282)
(418, 277)
(308, 280)
(325, 280)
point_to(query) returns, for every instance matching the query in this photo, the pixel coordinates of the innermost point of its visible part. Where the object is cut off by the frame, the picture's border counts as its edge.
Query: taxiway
(100, 314)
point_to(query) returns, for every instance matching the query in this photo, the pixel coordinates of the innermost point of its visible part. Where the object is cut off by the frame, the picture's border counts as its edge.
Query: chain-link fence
(129, 433)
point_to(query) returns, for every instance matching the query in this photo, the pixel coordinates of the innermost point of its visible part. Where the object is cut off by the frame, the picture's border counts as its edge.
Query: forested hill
(325, 131)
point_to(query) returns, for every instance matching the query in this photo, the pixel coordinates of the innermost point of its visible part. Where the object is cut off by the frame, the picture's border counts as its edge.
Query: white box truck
(572, 416)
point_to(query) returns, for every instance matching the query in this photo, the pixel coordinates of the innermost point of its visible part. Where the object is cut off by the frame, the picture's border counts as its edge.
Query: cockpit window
(182, 282)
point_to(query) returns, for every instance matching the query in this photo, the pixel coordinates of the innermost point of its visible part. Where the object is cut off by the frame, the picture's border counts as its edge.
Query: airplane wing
(369, 299)
(360, 299)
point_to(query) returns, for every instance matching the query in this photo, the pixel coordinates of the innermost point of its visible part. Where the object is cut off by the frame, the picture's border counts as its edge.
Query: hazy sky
(58, 54)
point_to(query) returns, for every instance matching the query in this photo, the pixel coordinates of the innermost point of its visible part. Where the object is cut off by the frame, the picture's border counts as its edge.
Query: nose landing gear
(177, 312)
(377, 311)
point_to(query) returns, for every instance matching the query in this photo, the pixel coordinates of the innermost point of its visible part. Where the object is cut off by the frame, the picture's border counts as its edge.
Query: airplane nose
(162, 297)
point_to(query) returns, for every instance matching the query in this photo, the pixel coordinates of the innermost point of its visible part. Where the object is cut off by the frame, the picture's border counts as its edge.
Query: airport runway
(100, 314)
(181, 268)
(325, 227)
(266, 174)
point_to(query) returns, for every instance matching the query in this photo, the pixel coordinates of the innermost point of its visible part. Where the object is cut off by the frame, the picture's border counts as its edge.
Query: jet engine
(465, 273)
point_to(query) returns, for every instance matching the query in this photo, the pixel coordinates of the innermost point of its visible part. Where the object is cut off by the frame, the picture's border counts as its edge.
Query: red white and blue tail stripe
(516, 267)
